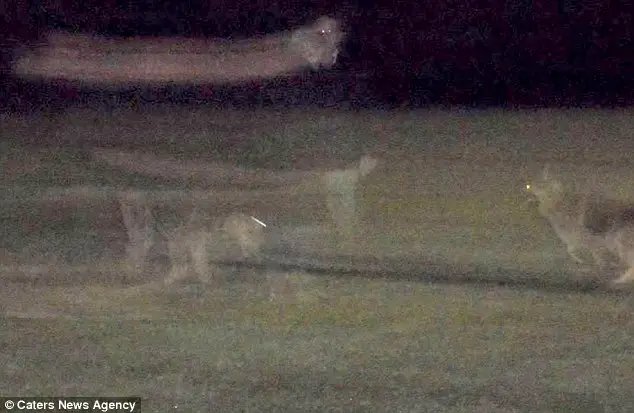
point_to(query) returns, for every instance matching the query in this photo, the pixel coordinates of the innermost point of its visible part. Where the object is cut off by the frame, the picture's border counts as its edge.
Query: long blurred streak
(116, 61)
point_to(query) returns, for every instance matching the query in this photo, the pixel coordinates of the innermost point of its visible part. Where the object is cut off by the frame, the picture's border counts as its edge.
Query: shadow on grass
(438, 271)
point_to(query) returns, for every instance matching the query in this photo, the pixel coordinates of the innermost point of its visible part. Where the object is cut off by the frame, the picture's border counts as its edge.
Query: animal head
(319, 43)
(547, 190)
(247, 231)
(367, 164)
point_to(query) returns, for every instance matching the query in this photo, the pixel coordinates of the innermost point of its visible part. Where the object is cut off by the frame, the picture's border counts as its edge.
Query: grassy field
(404, 333)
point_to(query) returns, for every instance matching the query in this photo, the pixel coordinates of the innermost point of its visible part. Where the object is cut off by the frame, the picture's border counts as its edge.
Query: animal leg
(178, 260)
(138, 221)
(200, 257)
(625, 278)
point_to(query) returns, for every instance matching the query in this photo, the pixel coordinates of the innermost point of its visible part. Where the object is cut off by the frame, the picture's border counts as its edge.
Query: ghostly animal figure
(139, 225)
(340, 188)
(567, 212)
(112, 61)
(246, 231)
(621, 241)
(589, 223)
(193, 243)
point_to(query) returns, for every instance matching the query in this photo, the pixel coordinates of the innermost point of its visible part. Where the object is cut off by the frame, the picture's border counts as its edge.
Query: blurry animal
(614, 221)
(602, 226)
(340, 189)
(192, 241)
(566, 211)
(338, 186)
(115, 61)
(319, 42)
(620, 239)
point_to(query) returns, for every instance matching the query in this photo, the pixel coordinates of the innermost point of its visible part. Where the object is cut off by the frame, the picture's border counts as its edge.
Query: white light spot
(258, 221)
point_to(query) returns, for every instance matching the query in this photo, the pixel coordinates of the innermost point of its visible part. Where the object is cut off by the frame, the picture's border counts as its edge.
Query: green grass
(334, 345)
(450, 189)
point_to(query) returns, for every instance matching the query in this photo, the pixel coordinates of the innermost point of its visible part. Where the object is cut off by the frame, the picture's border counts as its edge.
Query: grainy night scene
(331, 206)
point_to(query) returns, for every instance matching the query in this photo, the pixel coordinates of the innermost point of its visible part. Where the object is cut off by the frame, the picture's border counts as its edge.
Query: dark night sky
(515, 52)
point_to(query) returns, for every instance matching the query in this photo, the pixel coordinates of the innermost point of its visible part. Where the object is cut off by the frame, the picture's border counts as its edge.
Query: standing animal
(191, 241)
(566, 211)
(588, 222)
(340, 188)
